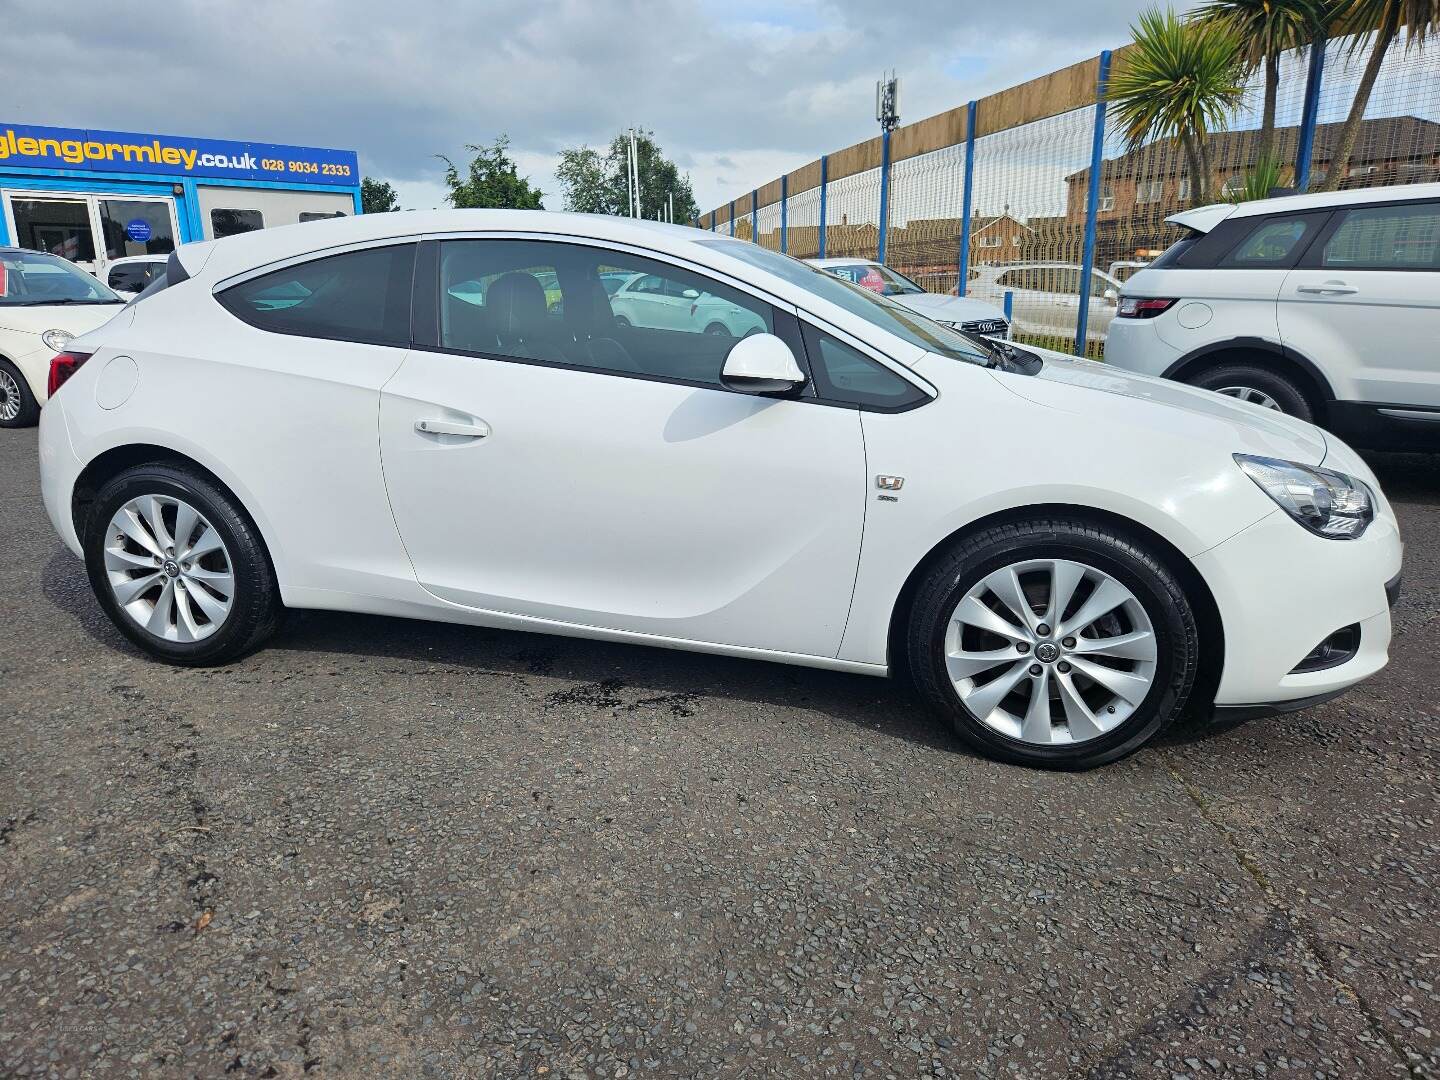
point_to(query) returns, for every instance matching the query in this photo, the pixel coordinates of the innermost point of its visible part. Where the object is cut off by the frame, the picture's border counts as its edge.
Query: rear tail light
(62, 367)
(1135, 307)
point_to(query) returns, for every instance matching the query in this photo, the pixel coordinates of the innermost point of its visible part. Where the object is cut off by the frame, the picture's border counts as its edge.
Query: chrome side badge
(889, 483)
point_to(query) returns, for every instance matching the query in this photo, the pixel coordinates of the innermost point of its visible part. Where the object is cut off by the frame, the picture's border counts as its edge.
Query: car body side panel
(288, 423)
(1190, 491)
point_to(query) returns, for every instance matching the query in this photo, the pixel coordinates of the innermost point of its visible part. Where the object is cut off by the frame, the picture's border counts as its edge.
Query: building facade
(96, 196)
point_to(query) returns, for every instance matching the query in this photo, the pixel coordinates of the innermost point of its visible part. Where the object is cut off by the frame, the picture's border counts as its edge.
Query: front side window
(845, 375)
(1386, 238)
(361, 296)
(133, 277)
(881, 312)
(588, 307)
(234, 222)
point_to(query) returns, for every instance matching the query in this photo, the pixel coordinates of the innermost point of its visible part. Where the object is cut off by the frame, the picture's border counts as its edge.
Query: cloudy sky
(736, 91)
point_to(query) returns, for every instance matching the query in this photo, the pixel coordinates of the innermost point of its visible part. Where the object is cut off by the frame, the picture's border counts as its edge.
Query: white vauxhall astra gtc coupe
(387, 414)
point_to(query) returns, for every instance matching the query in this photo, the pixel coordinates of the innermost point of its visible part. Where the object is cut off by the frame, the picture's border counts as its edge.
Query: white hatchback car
(308, 418)
(657, 303)
(1324, 306)
(44, 302)
(962, 312)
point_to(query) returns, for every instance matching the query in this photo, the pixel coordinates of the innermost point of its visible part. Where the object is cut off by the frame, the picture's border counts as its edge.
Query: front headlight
(1326, 502)
(57, 339)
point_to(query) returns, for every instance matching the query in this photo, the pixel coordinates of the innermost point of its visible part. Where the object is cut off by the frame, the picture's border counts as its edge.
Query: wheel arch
(1207, 611)
(110, 463)
(1259, 352)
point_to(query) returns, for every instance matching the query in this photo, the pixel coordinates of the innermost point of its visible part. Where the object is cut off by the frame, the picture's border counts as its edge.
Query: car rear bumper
(60, 468)
(1135, 345)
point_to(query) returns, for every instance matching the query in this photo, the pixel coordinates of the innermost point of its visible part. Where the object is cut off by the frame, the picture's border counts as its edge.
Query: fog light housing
(1339, 648)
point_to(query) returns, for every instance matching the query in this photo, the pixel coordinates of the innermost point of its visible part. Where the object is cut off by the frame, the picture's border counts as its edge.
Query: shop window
(234, 222)
(312, 216)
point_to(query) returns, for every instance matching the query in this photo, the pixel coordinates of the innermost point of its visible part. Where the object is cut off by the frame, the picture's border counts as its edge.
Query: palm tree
(1381, 20)
(1180, 81)
(1265, 29)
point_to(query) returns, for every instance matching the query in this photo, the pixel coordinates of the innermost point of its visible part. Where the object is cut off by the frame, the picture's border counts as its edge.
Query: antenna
(887, 102)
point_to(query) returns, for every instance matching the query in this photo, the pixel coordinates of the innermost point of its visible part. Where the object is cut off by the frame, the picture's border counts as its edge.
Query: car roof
(1205, 218)
(139, 258)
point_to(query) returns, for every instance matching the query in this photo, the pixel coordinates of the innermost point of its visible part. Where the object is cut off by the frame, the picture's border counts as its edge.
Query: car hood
(949, 308)
(1069, 383)
(76, 318)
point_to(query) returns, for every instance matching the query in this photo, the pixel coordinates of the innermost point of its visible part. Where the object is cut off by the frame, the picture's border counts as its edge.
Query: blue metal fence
(1059, 199)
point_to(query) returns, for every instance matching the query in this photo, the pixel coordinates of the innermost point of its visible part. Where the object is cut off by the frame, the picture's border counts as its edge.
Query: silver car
(968, 314)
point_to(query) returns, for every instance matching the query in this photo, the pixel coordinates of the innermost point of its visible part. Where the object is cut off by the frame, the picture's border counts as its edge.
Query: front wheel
(179, 567)
(1056, 643)
(18, 407)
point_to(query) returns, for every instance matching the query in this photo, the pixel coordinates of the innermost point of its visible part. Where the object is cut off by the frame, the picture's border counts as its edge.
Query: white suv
(1323, 306)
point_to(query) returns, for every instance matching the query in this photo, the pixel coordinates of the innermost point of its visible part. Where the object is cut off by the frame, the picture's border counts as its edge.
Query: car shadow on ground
(587, 669)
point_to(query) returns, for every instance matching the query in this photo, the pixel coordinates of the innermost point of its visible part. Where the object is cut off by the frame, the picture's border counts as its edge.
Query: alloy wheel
(9, 396)
(1250, 394)
(1050, 651)
(169, 569)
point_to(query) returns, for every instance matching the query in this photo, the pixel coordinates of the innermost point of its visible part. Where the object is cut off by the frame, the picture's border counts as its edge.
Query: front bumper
(1282, 590)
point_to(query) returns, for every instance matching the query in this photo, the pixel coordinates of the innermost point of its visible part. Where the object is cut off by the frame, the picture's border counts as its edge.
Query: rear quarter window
(361, 296)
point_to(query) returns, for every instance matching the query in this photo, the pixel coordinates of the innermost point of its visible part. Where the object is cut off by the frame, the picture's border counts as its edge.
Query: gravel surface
(387, 848)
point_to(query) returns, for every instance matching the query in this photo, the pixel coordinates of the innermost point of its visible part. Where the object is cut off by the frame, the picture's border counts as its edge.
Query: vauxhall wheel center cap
(172, 569)
(1046, 652)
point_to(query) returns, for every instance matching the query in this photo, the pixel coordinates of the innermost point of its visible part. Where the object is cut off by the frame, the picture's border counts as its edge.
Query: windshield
(876, 278)
(889, 316)
(33, 279)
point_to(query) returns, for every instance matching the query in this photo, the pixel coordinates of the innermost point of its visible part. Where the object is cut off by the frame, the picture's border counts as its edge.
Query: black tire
(1130, 563)
(1279, 388)
(15, 394)
(621, 320)
(716, 329)
(255, 611)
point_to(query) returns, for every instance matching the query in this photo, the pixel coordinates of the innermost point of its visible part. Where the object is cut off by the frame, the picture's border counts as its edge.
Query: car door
(1364, 303)
(586, 472)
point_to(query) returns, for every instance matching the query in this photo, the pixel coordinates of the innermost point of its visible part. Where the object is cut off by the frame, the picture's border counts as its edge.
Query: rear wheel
(179, 566)
(1055, 643)
(1259, 386)
(716, 329)
(18, 407)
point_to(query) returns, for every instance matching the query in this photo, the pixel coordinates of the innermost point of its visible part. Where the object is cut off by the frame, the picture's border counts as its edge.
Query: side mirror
(691, 294)
(762, 364)
(1112, 295)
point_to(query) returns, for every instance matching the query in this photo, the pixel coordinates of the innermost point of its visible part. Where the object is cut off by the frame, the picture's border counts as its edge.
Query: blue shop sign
(33, 147)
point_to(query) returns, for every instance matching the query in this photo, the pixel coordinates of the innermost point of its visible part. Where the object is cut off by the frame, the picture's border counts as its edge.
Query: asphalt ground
(385, 848)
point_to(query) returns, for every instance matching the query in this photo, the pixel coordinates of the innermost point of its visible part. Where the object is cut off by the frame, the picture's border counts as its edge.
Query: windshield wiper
(58, 301)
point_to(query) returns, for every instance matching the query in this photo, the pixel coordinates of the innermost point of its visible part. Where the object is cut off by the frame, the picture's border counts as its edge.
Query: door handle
(477, 430)
(1338, 288)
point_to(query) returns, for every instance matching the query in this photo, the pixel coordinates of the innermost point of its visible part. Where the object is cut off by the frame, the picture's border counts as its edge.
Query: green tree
(1180, 82)
(490, 180)
(597, 183)
(1264, 30)
(377, 196)
(1380, 23)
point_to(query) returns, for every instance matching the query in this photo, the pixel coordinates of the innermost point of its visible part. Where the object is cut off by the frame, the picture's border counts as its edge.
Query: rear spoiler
(1203, 218)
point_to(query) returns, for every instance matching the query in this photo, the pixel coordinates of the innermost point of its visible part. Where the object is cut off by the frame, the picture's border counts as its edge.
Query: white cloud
(738, 91)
